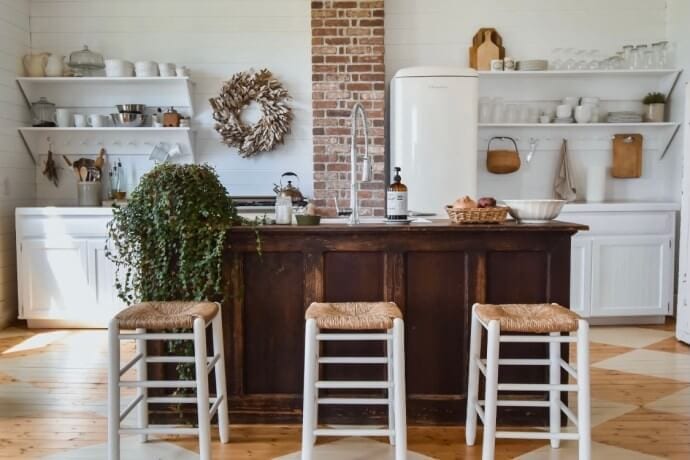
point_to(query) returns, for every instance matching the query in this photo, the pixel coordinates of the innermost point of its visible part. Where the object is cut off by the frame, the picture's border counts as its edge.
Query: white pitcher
(35, 64)
(55, 66)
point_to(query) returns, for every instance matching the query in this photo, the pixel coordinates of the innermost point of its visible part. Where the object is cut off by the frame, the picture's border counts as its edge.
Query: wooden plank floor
(52, 405)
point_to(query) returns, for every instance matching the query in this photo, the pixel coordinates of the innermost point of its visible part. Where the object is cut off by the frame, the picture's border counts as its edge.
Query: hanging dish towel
(563, 186)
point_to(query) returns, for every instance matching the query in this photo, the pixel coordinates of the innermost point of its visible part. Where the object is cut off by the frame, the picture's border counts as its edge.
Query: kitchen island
(433, 271)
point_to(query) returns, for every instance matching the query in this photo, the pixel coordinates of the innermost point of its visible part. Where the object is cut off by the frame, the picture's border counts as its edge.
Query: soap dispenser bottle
(396, 199)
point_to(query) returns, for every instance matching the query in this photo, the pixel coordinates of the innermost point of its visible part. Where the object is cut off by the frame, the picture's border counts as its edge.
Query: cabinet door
(632, 275)
(580, 275)
(55, 279)
(103, 279)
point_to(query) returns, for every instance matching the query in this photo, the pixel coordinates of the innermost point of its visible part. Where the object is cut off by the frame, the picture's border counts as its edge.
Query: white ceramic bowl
(534, 211)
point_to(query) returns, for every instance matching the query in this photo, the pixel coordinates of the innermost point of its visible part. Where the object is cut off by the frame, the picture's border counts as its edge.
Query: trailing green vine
(168, 242)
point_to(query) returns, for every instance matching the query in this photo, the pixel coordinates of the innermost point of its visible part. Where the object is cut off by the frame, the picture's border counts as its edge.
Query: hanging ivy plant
(168, 242)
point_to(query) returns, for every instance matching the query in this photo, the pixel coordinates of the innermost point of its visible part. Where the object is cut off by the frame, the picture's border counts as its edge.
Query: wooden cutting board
(487, 44)
(627, 156)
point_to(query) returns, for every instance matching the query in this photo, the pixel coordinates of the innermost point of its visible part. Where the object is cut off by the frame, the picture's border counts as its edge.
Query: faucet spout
(358, 112)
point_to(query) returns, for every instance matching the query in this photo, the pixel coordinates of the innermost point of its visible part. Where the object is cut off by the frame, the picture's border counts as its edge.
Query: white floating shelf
(110, 91)
(579, 125)
(116, 141)
(580, 73)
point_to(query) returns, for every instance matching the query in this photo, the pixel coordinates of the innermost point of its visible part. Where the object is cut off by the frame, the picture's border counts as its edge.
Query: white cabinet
(64, 277)
(623, 266)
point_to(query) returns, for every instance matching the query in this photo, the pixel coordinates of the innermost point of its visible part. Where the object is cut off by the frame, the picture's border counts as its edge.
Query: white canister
(497, 65)
(283, 210)
(583, 114)
(595, 183)
(79, 120)
(508, 64)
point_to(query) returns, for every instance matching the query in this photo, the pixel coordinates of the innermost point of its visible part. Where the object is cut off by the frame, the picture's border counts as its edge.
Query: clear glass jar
(86, 63)
(627, 56)
(661, 54)
(638, 56)
(43, 113)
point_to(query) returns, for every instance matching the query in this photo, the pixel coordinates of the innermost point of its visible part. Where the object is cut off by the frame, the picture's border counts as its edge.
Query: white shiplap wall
(215, 38)
(439, 32)
(16, 167)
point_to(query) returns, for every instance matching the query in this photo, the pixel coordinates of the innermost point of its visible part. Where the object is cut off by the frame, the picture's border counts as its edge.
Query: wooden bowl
(308, 220)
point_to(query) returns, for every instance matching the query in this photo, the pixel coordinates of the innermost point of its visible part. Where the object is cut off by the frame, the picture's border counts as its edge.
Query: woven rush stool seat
(166, 315)
(353, 315)
(534, 318)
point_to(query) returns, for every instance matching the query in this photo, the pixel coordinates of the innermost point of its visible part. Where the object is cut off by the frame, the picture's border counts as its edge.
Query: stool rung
(131, 406)
(170, 359)
(160, 430)
(158, 384)
(349, 337)
(352, 360)
(157, 336)
(538, 339)
(212, 362)
(569, 413)
(569, 369)
(175, 400)
(214, 406)
(353, 401)
(536, 435)
(480, 412)
(516, 403)
(352, 432)
(353, 384)
(535, 387)
(522, 362)
(131, 363)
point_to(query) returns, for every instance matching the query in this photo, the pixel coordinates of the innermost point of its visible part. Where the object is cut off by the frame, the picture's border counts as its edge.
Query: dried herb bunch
(167, 243)
(236, 95)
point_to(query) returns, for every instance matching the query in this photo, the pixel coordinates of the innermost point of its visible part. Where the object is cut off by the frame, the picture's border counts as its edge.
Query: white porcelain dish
(534, 211)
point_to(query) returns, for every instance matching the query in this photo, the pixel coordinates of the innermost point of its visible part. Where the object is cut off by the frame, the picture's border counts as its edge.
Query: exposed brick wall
(347, 67)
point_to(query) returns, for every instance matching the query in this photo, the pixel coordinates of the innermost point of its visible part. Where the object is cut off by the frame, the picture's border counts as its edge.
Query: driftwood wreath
(235, 96)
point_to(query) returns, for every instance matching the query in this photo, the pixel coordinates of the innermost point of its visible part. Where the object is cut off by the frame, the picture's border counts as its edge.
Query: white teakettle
(35, 64)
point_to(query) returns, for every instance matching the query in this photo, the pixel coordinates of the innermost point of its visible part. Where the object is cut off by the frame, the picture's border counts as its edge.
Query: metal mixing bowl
(127, 120)
(130, 108)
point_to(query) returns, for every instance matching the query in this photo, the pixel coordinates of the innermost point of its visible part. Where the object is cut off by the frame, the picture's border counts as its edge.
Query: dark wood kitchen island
(434, 272)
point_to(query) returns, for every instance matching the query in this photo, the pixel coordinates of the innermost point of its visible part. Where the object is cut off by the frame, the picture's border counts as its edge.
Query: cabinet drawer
(624, 223)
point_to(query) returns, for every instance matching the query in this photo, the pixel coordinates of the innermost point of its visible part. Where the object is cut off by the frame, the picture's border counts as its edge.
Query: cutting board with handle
(627, 156)
(487, 44)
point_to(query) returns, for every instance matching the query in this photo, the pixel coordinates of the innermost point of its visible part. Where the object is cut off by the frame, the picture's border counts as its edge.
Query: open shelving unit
(101, 95)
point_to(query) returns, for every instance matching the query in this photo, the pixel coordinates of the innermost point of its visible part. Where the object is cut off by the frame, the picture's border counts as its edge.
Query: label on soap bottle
(396, 206)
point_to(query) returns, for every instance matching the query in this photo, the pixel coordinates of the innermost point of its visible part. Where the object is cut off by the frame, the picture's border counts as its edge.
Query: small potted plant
(655, 107)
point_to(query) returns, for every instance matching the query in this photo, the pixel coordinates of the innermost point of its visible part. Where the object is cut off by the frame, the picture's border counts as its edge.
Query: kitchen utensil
(79, 120)
(303, 219)
(35, 64)
(127, 120)
(42, 113)
(171, 118)
(99, 162)
(131, 108)
(627, 156)
(493, 215)
(583, 114)
(166, 69)
(63, 118)
(89, 193)
(55, 65)
(96, 120)
(146, 68)
(563, 185)
(532, 148)
(477, 41)
(289, 190)
(83, 172)
(118, 68)
(595, 183)
(489, 49)
(534, 211)
(502, 161)
(86, 63)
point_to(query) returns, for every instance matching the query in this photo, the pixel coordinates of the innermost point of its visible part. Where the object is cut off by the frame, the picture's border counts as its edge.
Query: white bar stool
(161, 316)
(551, 319)
(355, 317)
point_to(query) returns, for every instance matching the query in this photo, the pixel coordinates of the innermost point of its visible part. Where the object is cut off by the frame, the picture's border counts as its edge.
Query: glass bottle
(396, 199)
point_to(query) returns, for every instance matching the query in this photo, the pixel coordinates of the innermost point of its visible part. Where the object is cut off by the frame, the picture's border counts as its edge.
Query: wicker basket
(495, 215)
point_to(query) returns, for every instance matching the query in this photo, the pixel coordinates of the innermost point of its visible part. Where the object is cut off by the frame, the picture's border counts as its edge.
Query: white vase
(55, 65)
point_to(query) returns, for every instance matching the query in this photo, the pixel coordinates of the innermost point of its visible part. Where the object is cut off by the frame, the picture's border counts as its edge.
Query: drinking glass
(638, 56)
(581, 60)
(557, 61)
(497, 110)
(484, 110)
(628, 56)
(569, 63)
(512, 113)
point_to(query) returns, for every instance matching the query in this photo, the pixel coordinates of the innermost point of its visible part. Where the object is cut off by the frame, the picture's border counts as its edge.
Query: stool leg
(203, 415)
(555, 395)
(310, 376)
(142, 374)
(391, 402)
(583, 396)
(219, 371)
(491, 391)
(399, 389)
(113, 390)
(473, 381)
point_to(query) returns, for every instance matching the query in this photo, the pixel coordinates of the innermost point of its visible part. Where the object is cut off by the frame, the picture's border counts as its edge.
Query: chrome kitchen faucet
(366, 161)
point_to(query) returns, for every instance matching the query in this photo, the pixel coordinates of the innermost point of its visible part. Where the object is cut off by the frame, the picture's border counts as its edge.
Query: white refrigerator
(434, 135)
(683, 314)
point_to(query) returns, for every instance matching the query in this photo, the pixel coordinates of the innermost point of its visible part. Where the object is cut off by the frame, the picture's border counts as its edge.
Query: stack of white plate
(624, 117)
(563, 120)
(533, 64)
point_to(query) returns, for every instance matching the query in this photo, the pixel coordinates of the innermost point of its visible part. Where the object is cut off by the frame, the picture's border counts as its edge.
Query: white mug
(564, 111)
(96, 120)
(508, 64)
(182, 71)
(79, 120)
(63, 118)
(166, 69)
(583, 114)
(543, 119)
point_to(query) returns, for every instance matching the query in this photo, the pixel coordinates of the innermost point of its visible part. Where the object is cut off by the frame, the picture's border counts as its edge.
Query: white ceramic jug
(35, 64)
(55, 66)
